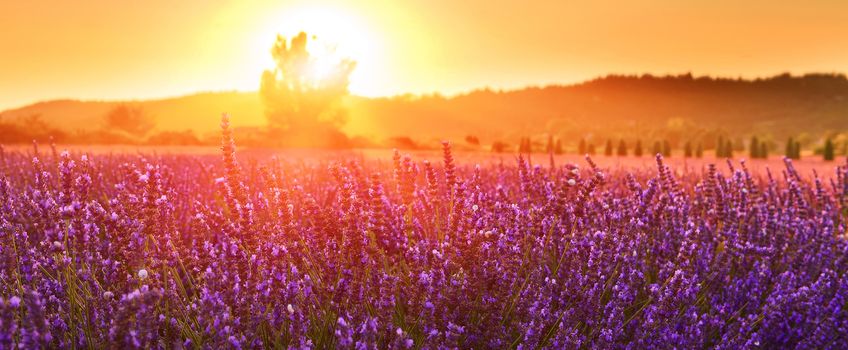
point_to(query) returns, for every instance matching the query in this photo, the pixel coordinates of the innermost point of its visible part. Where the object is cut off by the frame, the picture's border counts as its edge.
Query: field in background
(805, 166)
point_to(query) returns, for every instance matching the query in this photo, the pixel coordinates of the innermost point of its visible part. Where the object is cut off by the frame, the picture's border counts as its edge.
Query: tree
(499, 146)
(637, 151)
(27, 129)
(828, 150)
(699, 151)
(764, 150)
(608, 149)
(304, 107)
(130, 119)
(622, 148)
(666, 150)
(558, 147)
(525, 145)
(582, 147)
(657, 148)
(181, 138)
(754, 148)
(687, 149)
(402, 142)
(472, 140)
(728, 149)
(790, 149)
(720, 153)
(591, 149)
(793, 149)
(549, 148)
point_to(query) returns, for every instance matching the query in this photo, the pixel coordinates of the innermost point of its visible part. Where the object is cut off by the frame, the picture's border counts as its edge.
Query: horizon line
(689, 74)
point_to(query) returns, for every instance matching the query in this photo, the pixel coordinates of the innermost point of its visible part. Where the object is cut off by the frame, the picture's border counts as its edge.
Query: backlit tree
(303, 95)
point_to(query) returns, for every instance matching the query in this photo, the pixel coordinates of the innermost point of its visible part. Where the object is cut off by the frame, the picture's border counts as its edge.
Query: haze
(138, 50)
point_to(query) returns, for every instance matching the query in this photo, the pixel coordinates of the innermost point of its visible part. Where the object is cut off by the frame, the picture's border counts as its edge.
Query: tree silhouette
(499, 146)
(549, 148)
(130, 119)
(828, 150)
(666, 150)
(764, 150)
(754, 148)
(303, 106)
(581, 149)
(525, 145)
(793, 149)
(637, 151)
(687, 149)
(790, 149)
(608, 149)
(622, 148)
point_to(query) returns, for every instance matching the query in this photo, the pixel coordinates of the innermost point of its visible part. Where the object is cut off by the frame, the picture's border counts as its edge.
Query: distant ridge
(199, 112)
(619, 106)
(628, 107)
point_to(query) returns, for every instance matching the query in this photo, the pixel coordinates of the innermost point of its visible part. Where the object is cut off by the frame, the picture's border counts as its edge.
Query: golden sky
(107, 49)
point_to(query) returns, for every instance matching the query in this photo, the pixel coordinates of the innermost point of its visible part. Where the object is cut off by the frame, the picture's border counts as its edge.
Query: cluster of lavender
(132, 251)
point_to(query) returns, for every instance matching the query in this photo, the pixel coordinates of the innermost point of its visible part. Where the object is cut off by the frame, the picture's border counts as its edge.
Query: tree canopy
(303, 94)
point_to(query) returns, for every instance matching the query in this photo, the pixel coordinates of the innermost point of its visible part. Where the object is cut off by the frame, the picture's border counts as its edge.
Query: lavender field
(192, 251)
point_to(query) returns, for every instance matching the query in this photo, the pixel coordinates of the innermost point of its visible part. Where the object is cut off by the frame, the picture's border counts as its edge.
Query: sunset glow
(337, 34)
(107, 49)
(423, 174)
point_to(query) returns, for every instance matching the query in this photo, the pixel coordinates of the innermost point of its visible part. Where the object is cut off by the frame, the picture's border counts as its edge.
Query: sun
(325, 59)
(335, 34)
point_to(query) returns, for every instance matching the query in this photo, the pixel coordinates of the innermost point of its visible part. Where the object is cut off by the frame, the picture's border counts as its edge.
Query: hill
(626, 107)
(629, 107)
(198, 112)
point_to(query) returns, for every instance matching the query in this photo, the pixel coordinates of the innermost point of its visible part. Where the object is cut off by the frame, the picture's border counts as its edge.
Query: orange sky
(107, 49)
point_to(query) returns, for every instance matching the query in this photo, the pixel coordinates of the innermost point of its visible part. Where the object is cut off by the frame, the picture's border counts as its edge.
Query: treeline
(620, 148)
(675, 108)
(16, 133)
(131, 124)
(724, 148)
(125, 124)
